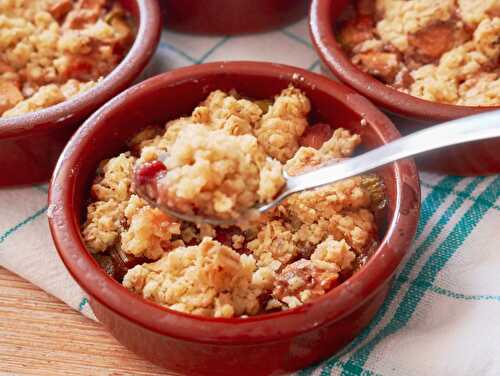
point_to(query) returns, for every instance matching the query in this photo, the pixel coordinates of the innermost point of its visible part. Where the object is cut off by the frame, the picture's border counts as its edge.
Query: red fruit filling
(316, 135)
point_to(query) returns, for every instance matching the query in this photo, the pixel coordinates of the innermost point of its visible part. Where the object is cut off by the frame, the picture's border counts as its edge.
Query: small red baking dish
(30, 144)
(411, 113)
(260, 345)
(231, 16)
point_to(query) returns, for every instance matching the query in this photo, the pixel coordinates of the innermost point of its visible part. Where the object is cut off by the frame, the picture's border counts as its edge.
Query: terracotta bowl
(231, 16)
(411, 113)
(30, 144)
(265, 344)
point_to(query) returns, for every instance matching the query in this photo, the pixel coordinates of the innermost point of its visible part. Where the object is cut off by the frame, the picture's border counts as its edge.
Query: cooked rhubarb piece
(316, 135)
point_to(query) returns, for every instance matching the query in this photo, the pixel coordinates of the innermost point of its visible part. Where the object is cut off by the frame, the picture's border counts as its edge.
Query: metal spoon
(471, 128)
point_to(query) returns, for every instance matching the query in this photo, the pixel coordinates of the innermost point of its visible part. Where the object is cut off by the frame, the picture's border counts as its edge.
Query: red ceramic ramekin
(231, 16)
(478, 158)
(261, 345)
(30, 144)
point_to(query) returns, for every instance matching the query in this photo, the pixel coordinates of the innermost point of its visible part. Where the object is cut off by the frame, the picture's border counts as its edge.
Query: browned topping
(85, 12)
(301, 276)
(356, 31)
(384, 65)
(10, 95)
(433, 41)
(93, 5)
(60, 8)
(4, 67)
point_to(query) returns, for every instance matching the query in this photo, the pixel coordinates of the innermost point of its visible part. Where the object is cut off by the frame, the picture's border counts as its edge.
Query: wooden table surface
(39, 335)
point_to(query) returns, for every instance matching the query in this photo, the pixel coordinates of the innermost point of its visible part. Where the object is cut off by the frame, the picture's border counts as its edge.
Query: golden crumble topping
(53, 50)
(305, 279)
(217, 174)
(218, 158)
(207, 279)
(149, 230)
(119, 218)
(403, 18)
(104, 225)
(234, 115)
(282, 125)
(443, 51)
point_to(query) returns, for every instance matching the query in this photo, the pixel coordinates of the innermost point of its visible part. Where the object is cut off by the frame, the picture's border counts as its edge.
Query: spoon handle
(471, 128)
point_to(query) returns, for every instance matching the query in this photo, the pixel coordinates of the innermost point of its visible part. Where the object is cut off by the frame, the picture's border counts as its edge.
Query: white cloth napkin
(442, 314)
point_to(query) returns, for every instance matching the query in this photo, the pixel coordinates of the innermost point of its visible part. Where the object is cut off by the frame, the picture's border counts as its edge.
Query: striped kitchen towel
(441, 315)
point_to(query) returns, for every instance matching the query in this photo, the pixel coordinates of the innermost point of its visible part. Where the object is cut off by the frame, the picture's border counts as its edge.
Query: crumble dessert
(299, 251)
(53, 50)
(443, 51)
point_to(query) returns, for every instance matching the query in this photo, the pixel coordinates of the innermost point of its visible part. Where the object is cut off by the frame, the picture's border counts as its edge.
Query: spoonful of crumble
(258, 183)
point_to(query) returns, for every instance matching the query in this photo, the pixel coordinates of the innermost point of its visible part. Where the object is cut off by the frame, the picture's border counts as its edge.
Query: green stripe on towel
(82, 304)
(432, 267)
(430, 204)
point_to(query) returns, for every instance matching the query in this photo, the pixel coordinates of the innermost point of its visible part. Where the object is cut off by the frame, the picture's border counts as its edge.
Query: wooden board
(40, 335)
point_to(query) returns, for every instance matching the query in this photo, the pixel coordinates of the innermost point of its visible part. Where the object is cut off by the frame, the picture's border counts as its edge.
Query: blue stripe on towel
(430, 204)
